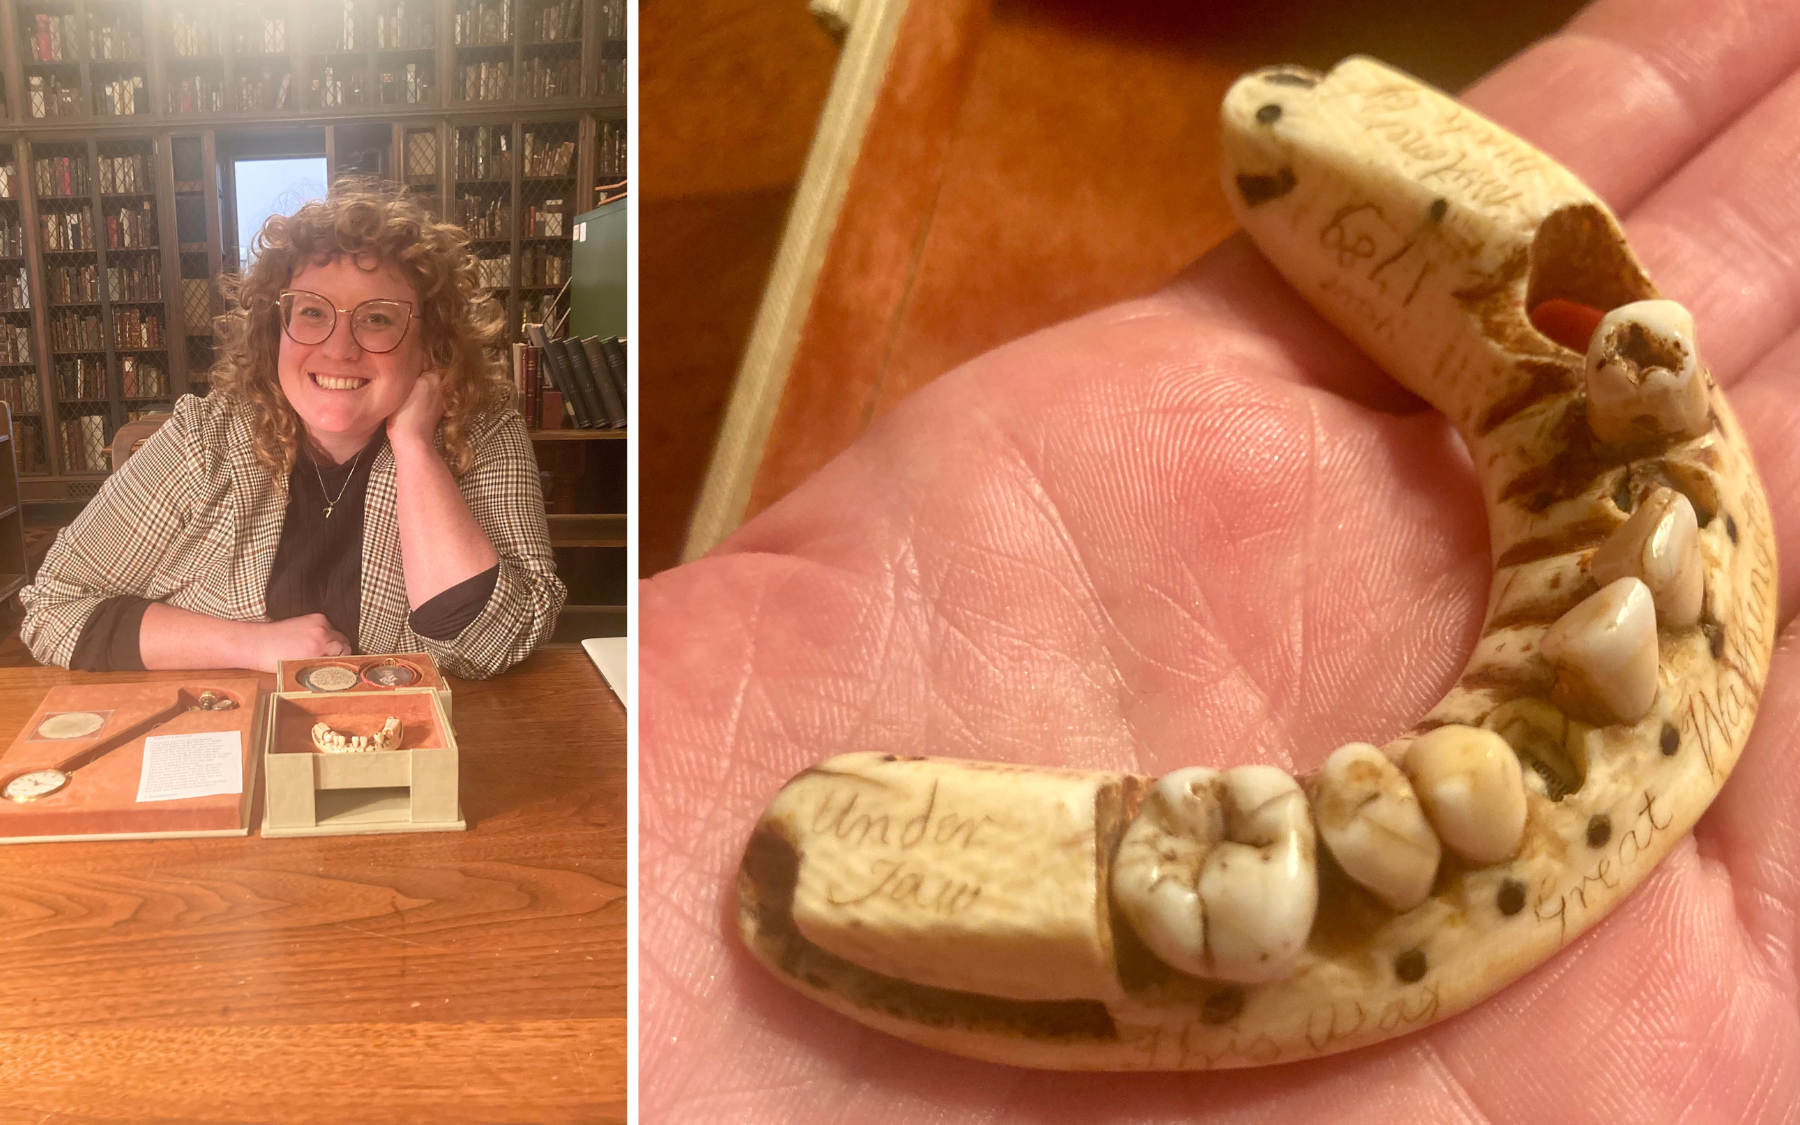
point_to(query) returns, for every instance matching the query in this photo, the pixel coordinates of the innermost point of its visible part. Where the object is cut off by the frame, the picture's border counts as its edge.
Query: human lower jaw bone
(1102, 921)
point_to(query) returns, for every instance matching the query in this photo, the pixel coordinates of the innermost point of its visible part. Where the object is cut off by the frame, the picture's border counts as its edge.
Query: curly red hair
(372, 223)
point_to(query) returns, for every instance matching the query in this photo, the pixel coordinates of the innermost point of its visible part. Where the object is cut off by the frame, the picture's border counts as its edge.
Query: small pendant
(328, 508)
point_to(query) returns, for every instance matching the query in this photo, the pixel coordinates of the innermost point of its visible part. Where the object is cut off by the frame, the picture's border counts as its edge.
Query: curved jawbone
(1105, 921)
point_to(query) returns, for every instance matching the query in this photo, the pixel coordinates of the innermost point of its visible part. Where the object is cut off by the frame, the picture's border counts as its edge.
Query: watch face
(392, 675)
(70, 724)
(31, 786)
(328, 677)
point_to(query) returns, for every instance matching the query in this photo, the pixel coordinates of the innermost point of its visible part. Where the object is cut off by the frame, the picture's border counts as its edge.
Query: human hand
(1199, 528)
(297, 638)
(418, 416)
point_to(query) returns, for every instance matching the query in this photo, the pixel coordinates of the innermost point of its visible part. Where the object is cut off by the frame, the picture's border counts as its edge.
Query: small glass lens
(379, 325)
(307, 317)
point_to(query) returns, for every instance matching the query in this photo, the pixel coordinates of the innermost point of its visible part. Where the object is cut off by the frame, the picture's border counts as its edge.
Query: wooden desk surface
(441, 977)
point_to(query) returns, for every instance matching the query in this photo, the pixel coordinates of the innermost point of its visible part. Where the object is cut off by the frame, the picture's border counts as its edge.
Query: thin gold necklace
(334, 500)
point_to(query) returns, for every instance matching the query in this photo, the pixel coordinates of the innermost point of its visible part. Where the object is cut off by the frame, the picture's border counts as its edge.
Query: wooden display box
(372, 672)
(410, 789)
(99, 801)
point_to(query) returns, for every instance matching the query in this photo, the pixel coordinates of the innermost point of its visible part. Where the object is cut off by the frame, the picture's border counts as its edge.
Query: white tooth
(1604, 652)
(1156, 873)
(1371, 820)
(1260, 889)
(1471, 785)
(1660, 545)
(1218, 873)
(1643, 376)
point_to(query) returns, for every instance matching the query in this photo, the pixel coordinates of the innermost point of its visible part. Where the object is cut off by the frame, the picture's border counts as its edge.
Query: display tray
(94, 734)
(335, 675)
(411, 788)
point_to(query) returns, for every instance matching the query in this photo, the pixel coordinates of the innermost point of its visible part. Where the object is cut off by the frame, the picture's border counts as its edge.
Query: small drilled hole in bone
(1715, 637)
(1731, 529)
(1269, 114)
(1671, 740)
(1439, 208)
(1511, 898)
(1410, 966)
(1222, 1006)
(1599, 830)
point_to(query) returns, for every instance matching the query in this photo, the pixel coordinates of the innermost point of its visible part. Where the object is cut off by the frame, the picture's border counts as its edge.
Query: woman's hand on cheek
(417, 418)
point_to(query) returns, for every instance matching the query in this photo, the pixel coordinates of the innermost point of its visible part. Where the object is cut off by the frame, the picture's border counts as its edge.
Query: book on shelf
(555, 369)
(603, 388)
(613, 349)
(598, 407)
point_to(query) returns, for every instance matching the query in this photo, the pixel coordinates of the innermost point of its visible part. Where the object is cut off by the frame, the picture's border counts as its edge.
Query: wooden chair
(130, 436)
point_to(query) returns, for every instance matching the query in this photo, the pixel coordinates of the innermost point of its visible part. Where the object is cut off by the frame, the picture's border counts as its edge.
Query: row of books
(120, 175)
(30, 441)
(80, 377)
(550, 78)
(487, 82)
(56, 38)
(15, 348)
(263, 93)
(84, 444)
(494, 273)
(47, 95)
(135, 328)
(544, 220)
(67, 230)
(12, 238)
(143, 377)
(15, 291)
(121, 96)
(133, 228)
(75, 332)
(114, 41)
(138, 281)
(541, 265)
(20, 392)
(70, 285)
(9, 180)
(198, 94)
(482, 218)
(406, 28)
(558, 19)
(60, 175)
(484, 153)
(556, 159)
(587, 374)
(482, 23)
(191, 37)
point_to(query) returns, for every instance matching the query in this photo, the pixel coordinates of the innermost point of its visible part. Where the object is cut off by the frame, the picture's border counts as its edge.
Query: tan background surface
(1068, 159)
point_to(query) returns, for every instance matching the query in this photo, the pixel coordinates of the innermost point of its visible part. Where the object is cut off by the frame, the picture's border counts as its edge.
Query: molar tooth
(1218, 873)
(1471, 785)
(1660, 546)
(1605, 655)
(1156, 873)
(1371, 820)
(1643, 376)
(1261, 887)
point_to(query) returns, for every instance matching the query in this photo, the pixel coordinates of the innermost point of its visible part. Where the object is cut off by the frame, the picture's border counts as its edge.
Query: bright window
(273, 187)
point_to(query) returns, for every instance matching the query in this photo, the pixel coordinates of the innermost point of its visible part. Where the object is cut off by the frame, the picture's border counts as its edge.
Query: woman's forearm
(179, 638)
(440, 541)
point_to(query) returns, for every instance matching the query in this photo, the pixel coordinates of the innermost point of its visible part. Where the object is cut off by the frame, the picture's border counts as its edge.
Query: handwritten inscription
(1607, 872)
(913, 880)
(1449, 146)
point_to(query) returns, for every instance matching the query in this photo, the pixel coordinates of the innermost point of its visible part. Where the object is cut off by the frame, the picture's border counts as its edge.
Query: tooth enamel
(1643, 378)
(1371, 820)
(1218, 874)
(1261, 887)
(1660, 546)
(1471, 786)
(1157, 873)
(1604, 652)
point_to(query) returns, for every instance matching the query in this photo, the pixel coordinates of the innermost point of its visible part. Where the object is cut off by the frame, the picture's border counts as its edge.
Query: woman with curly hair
(356, 481)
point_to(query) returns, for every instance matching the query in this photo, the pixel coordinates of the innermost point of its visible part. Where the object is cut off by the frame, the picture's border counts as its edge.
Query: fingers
(1632, 88)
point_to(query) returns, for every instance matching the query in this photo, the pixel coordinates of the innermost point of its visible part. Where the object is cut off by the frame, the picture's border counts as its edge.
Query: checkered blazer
(192, 520)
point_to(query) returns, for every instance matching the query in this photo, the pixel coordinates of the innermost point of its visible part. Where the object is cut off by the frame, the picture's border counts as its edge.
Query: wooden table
(441, 977)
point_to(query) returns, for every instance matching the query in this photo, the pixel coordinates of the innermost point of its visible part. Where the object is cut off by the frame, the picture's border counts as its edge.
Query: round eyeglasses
(376, 325)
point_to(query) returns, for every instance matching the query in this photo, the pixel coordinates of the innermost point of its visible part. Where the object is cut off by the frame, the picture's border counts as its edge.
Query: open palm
(1199, 528)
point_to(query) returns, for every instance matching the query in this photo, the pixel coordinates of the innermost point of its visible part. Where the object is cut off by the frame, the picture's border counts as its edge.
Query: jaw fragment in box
(1231, 917)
